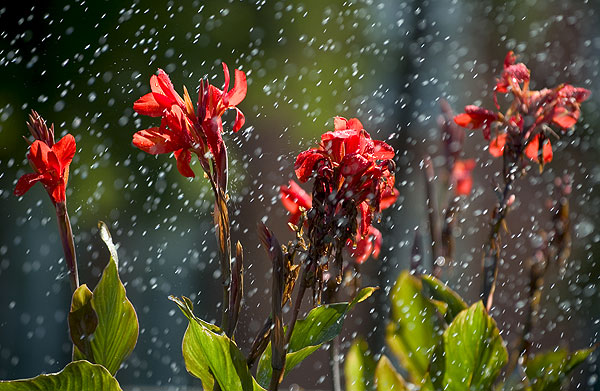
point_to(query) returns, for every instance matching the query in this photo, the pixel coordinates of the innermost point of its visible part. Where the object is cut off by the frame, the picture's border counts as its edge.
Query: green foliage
(359, 367)
(439, 291)
(322, 324)
(103, 324)
(416, 326)
(386, 377)
(546, 371)
(472, 353)
(212, 356)
(76, 376)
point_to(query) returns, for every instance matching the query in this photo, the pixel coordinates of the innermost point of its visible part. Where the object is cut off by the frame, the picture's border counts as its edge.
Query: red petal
(362, 249)
(238, 92)
(383, 151)
(38, 155)
(510, 59)
(340, 123)
(305, 163)
(531, 150)
(239, 120)
(497, 145)
(293, 196)
(547, 152)
(184, 157)
(147, 105)
(57, 193)
(25, 182)
(354, 164)
(156, 141)
(213, 129)
(166, 88)
(388, 197)
(226, 72)
(565, 118)
(462, 119)
(354, 123)
(64, 150)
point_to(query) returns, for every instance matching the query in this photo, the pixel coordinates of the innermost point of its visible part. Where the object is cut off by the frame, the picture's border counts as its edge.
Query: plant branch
(435, 226)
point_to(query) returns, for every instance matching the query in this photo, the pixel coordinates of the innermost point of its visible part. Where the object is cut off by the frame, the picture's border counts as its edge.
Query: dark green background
(82, 64)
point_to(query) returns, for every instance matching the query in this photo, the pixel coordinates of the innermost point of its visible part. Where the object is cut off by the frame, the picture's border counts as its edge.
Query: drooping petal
(366, 216)
(156, 141)
(461, 176)
(239, 90)
(547, 152)
(497, 145)
(147, 105)
(388, 197)
(361, 250)
(565, 118)
(184, 157)
(25, 183)
(213, 129)
(476, 117)
(305, 163)
(293, 197)
(533, 147)
(354, 165)
(58, 192)
(65, 149)
(239, 120)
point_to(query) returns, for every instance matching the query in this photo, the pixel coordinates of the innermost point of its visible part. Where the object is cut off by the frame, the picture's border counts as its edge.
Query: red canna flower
(184, 130)
(461, 176)
(476, 117)
(51, 166)
(539, 109)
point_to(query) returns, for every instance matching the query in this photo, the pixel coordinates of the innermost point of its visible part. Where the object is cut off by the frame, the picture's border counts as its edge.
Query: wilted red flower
(184, 130)
(353, 166)
(461, 176)
(51, 166)
(513, 75)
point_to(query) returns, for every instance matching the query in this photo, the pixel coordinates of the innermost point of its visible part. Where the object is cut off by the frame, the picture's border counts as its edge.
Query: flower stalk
(68, 244)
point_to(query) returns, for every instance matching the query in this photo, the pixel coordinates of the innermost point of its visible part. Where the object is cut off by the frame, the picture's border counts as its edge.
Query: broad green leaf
(472, 353)
(359, 367)
(210, 355)
(117, 325)
(387, 378)
(322, 324)
(437, 290)
(76, 376)
(547, 371)
(83, 321)
(415, 327)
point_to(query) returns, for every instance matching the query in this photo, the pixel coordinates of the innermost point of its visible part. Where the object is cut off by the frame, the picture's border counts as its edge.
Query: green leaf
(76, 376)
(387, 378)
(416, 326)
(117, 325)
(83, 321)
(210, 355)
(547, 371)
(322, 324)
(437, 290)
(359, 367)
(472, 353)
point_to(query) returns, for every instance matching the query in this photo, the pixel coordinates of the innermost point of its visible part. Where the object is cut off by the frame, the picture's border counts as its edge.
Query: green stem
(68, 244)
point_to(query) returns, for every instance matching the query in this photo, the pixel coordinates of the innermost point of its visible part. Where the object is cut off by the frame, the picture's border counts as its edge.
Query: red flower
(184, 130)
(365, 246)
(476, 117)
(461, 176)
(497, 145)
(293, 198)
(512, 75)
(51, 166)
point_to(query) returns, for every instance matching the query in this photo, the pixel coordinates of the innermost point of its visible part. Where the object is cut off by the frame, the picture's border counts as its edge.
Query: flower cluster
(354, 180)
(183, 129)
(525, 128)
(49, 160)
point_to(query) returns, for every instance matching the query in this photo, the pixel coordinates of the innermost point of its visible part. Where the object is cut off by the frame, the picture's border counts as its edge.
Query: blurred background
(82, 64)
